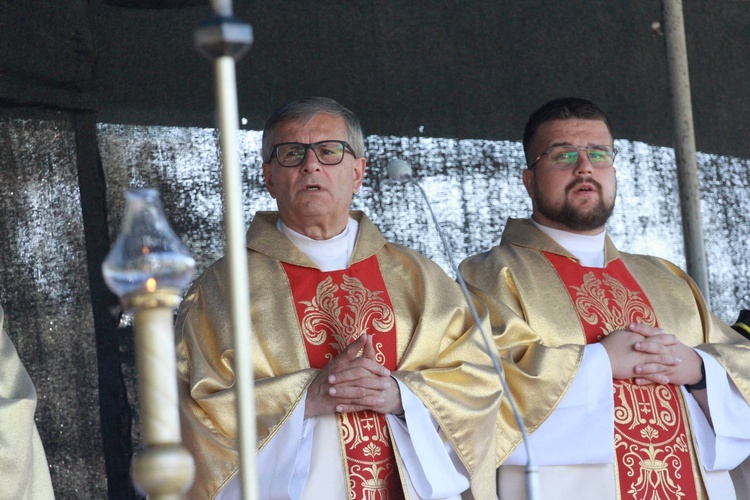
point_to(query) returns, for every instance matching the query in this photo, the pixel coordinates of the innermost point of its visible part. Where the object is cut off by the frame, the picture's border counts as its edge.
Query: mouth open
(585, 186)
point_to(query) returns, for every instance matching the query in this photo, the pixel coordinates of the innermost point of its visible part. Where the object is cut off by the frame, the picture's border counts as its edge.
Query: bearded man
(650, 397)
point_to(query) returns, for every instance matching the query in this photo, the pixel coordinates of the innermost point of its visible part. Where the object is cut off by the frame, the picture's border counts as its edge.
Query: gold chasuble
(334, 309)
(567, 306)
(301, 318)
(652, 437)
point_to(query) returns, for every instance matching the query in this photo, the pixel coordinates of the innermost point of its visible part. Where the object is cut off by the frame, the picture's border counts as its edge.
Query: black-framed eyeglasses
(562, 157)
(292, 154)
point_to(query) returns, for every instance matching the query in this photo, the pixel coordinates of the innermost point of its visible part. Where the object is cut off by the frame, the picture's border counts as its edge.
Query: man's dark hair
(305, 109)
(564, 108)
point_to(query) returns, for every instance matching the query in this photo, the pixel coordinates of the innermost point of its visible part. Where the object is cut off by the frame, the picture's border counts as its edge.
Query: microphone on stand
(401, 171)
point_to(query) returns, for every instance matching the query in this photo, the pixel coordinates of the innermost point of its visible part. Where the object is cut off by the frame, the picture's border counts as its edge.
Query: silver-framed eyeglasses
(562, 157)
(292, 154)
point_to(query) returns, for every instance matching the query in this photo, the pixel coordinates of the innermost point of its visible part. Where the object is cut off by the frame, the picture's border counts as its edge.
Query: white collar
(588, 249)
(332, 254)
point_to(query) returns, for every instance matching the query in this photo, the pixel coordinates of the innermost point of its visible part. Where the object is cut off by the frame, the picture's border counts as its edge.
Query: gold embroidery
(625, 305)
(374, 480)
(653, 464)
(646, 404)
(376, 473)
(650, 436)
(341, 309)
(354, 435)
(652, 450)
(325, 320)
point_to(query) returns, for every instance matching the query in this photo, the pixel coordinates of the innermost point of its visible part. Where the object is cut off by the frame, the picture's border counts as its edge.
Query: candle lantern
(147, 267)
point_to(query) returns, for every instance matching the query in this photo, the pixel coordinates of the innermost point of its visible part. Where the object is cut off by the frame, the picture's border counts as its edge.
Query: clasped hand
(648, 355)
(352, 382)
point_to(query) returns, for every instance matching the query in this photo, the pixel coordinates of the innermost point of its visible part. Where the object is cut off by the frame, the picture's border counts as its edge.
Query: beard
(584, 218)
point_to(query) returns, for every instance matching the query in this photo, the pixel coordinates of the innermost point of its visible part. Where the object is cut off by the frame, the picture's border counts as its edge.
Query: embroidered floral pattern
(609, 304)
(325, 320)
(651, 439)
(374, 472)
(334, 309)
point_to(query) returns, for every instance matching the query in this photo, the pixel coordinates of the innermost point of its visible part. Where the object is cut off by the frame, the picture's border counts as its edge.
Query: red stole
(334, 309)
(653, 446)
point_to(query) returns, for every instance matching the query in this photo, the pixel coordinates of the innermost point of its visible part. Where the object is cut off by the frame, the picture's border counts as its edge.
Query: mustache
(580, 180)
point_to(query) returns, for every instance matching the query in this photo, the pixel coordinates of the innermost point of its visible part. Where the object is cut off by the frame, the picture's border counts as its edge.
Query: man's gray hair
(303, 110)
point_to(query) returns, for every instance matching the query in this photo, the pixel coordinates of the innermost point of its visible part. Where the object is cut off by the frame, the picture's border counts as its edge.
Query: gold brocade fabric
(24, 474)
(439, 354)
(517, 274)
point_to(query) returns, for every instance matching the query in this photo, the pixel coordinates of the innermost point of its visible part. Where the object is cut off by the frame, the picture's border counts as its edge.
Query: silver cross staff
(224, 39)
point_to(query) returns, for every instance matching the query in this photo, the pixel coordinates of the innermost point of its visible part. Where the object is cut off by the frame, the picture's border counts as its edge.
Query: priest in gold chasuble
(371, 381)
(655, 403)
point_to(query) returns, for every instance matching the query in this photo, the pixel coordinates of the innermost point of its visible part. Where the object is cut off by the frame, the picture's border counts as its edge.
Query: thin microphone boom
(401, 171)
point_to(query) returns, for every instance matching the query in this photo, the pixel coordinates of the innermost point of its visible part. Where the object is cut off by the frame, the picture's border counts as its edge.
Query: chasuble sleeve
(206, 381)
(538, 373)
(24, 472)
(689, 318)
(683, 311)
(442, 359)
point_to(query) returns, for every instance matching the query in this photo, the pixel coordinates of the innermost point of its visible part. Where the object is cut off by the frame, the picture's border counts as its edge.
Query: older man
(680, 378)
(370, 377)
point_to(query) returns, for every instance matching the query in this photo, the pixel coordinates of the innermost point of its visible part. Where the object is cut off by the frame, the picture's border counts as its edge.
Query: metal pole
(684, 137)
(224, 40)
